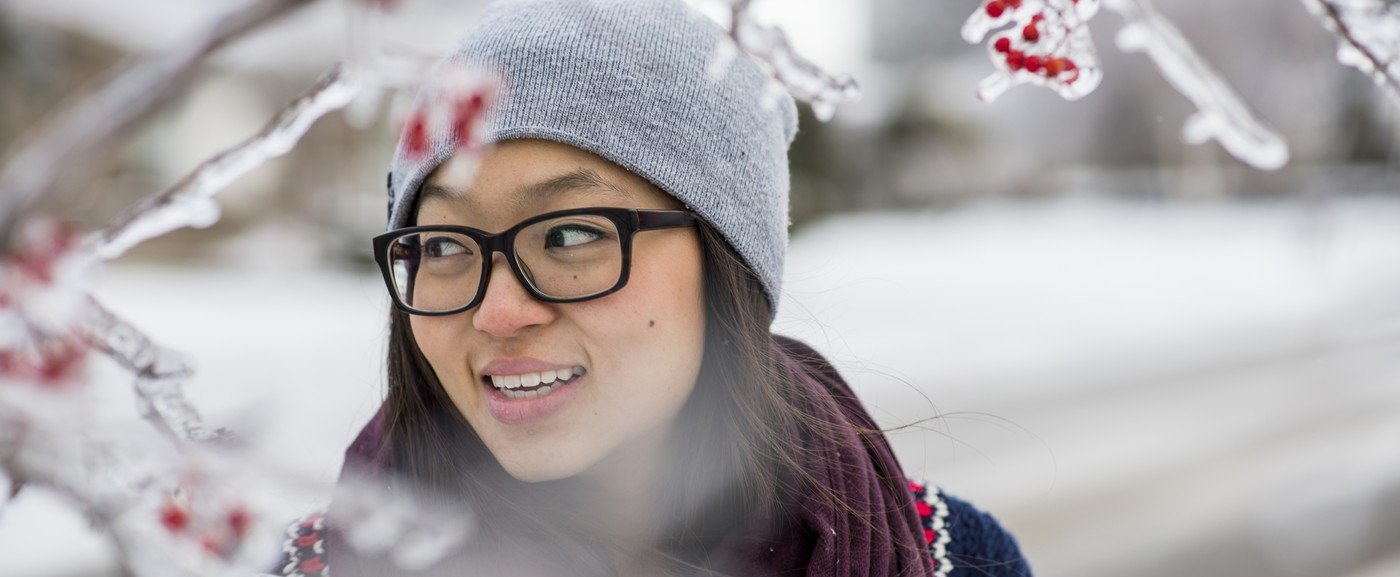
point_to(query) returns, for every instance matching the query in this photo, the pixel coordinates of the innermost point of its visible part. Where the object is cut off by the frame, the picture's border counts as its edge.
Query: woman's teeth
(533, 384)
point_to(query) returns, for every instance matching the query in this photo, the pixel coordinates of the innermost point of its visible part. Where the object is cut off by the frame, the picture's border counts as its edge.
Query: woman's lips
(516, 411)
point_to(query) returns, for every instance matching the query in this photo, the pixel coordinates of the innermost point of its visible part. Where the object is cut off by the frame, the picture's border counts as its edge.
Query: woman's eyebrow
(578, 180)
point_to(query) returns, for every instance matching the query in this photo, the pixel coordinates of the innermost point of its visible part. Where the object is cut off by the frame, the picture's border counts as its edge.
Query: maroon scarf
(876, 533)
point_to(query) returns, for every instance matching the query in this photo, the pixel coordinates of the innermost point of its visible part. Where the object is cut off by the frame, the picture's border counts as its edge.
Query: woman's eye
(573, 235)
(443, 247)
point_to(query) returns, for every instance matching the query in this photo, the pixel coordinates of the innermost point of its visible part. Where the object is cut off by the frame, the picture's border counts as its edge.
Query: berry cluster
(1028, 53)
(29, 274)
(1042, 42)
(52, 362)
(218, 532)
(461, 114)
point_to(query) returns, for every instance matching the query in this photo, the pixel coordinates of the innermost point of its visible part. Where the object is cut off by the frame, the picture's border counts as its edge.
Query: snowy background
(1143, 358)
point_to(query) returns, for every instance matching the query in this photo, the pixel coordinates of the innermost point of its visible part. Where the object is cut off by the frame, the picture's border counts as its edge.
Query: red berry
(995, 8)
(416, 136)
(1015, 60)
(211, 545)
(1013, 3)
(1002, 44)
(1038, 17)
(174, 517)
(1033, 63)
(464, 115)
(59, 364)
(238, 520)
(1030, 33)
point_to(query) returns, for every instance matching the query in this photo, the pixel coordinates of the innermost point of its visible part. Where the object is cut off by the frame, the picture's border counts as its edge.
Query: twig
(63, 147)
(1221, 115)
(769, 46)
(189, 203)
(158, 374)
(1371, 63)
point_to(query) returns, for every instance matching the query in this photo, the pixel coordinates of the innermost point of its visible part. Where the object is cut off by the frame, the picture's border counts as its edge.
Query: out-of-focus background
(1143, 357)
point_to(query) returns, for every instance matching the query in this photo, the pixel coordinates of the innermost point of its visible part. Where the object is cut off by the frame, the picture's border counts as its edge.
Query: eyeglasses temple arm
(654, 219)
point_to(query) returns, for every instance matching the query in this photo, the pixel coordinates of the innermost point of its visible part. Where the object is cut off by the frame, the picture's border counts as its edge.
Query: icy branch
(66, 145)
(190, 202)
(159, 373)
(1048, 44)
(770, 47)
(190, 509)
(1221, 115)
(1368, 37)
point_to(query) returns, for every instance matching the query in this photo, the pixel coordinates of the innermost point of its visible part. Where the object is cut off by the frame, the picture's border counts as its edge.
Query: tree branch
(62, 149)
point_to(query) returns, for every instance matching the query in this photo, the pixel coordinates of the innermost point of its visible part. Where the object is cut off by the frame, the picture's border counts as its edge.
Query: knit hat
(629, 80)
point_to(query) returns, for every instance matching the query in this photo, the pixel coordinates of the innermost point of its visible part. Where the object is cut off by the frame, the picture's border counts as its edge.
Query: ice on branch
(68, 142)
(1368, 37)
(791, 71)
(1220, 115)
(168, 508)
(1047, 43)
(190, 202)
(159, 373)
(1042, 42)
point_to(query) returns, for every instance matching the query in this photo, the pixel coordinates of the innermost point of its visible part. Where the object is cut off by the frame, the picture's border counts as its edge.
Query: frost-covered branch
(65, 146)
(770, 47)
(1368, 37)
(159, 375)
(1221, 115)
(190, 202)
(1049, 45)
(187, 507)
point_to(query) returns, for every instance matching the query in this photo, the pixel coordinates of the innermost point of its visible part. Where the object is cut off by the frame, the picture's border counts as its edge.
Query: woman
(580, 355)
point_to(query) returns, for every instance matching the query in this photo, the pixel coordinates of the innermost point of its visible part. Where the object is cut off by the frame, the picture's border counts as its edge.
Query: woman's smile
(527, 390)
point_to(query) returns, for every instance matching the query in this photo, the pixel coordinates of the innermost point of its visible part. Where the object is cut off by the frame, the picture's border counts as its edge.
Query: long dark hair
(735, 465)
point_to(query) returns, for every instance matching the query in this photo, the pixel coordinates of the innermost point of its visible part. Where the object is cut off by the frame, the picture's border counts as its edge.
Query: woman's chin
(539, 468)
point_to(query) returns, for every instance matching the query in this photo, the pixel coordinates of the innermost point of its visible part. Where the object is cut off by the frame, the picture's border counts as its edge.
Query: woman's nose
(507, 307)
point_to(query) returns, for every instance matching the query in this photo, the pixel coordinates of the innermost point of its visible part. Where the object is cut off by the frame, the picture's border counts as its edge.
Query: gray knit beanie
(628, 80)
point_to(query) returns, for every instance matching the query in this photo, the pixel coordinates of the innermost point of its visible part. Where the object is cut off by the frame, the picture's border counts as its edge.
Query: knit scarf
(873, 532)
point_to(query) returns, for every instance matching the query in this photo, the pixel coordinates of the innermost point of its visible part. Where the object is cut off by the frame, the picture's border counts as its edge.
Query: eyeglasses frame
(629, 222)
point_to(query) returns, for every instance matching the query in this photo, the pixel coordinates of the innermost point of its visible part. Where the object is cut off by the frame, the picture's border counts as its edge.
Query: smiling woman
(580, 356)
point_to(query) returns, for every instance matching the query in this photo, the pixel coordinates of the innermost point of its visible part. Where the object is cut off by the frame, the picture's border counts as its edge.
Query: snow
(1056, 305)
(1135, 287)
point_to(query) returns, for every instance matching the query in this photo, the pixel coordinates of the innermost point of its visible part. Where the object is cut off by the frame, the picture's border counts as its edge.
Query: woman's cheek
(435, 338)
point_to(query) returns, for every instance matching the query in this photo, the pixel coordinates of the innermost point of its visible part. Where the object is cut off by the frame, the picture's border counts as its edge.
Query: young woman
(579, 354)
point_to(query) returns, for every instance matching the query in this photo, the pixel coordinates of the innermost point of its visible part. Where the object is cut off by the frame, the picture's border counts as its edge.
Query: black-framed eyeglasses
(559, 257)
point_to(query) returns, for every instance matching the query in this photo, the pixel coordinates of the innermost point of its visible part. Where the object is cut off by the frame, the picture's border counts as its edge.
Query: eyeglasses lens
(567, 257)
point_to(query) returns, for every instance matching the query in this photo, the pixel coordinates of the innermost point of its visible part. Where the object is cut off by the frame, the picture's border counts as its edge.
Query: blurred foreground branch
(65, 146)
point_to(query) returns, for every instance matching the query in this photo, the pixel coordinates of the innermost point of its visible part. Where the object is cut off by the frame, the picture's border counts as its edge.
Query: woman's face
(634, 354)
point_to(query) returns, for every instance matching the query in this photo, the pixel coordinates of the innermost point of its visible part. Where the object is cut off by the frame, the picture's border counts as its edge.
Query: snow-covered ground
(1135, 388)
